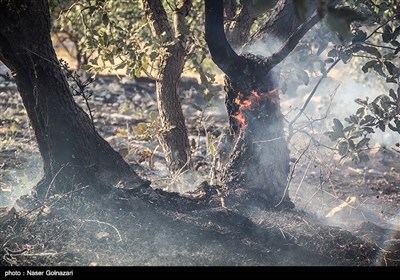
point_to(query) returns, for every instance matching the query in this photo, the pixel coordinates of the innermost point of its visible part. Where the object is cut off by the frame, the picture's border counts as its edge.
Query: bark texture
(174, 138)
(238, 22)
(72, 151)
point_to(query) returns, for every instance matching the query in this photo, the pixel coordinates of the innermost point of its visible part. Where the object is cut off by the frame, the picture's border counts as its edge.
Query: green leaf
(387, 35)
(379, 68)
(393, 128)
(212, 149)
(303, 76)
(337, 125)
(86, 67)
(333, 53)
(105, 39)
(391, 80)
(196, 107)
(343, 148)
(361, 102)
(92, 9)
(300, 9)
(360, 36)
(382, 126)
(105, 19)
(372, 50)
(140, 129)
(344, 56)
(121, 65)
(368, 119)
(392, 94)
(363, 157)
(153, 116)
(368, 65)
(390, 67)
(355, 134)
(362, 143)
(329, 60)
(352, 146)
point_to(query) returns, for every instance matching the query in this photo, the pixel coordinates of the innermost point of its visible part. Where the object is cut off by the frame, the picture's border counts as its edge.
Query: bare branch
(310, 96)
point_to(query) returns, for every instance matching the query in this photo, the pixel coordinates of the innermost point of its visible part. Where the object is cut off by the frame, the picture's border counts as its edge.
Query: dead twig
(310, 96)
(292, 173)
(110, 225)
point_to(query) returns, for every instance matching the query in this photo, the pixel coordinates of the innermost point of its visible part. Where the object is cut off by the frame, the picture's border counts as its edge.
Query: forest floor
(346, 214)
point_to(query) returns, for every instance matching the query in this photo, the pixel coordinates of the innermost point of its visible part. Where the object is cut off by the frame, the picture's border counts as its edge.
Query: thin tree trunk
(174, 138)
(72, 151)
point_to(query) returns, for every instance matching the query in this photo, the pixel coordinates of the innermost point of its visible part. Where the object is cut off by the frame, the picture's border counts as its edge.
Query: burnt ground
(345, 214)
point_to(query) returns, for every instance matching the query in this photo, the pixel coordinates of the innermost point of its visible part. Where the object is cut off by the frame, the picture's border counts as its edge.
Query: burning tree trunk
(72, 151)
(259, 160)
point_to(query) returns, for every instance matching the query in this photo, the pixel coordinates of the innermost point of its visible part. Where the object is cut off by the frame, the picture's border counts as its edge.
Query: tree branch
(221, 51)
(158, 19)
(291, 43)
(180, 27)
(282, 22)
(238, 27)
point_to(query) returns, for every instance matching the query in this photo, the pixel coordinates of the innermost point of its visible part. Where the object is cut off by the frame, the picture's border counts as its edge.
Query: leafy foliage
(113, 35)
(371, 45)
(378, 46)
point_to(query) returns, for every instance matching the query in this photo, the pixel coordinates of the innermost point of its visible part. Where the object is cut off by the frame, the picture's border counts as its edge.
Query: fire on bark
(258, 165)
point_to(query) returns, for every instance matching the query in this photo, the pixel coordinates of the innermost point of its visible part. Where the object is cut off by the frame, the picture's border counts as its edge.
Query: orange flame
(251, 102)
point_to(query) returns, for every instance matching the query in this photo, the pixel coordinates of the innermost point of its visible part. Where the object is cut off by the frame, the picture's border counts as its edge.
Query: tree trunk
(73, 152)
(258, 165)
(174, 138)
(259, 158)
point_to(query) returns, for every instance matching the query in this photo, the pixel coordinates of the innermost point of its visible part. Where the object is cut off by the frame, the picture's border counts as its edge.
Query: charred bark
(238, 23)
(72, 151)
(174, 138)
(281, 25)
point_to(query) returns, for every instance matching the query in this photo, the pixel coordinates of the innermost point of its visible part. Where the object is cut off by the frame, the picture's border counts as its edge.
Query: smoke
(264, 48)
(312, 188)
(19, 181)
(186, 181)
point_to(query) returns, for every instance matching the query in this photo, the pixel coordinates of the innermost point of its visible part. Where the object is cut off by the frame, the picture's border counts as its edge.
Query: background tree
(155, 39)
(73, 152)
(173, 39)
